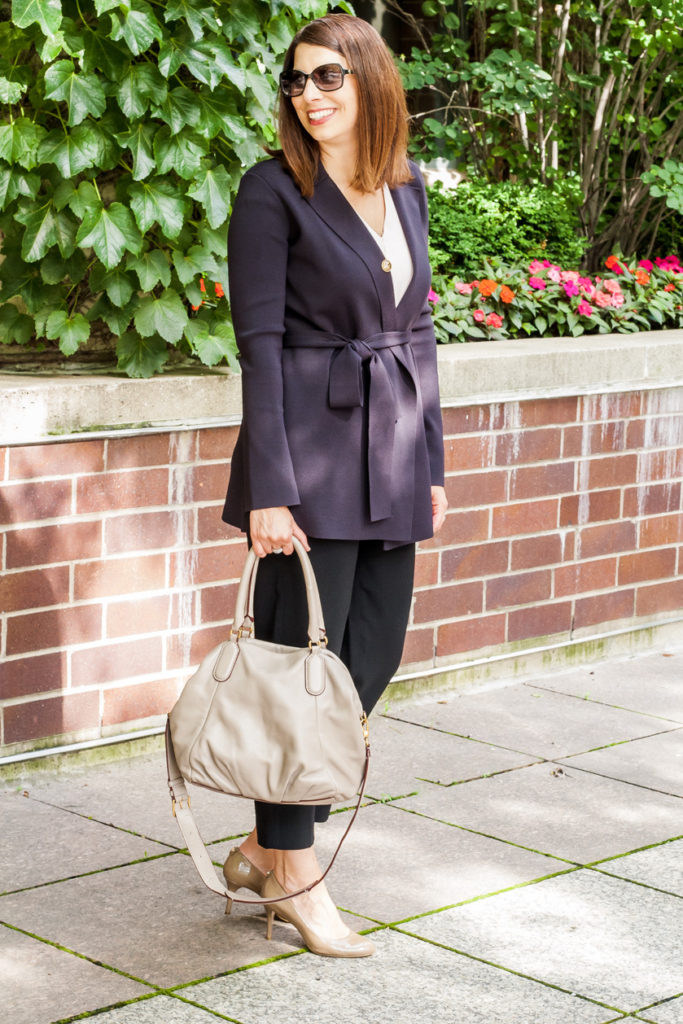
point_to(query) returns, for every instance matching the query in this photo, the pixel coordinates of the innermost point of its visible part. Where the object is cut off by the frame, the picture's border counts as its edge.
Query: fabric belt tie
(345, 391)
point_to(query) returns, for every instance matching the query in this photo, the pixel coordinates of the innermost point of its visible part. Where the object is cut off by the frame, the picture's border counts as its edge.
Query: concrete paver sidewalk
(519, 860)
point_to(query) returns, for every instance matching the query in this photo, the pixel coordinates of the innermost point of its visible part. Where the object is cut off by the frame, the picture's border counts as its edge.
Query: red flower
(479, 315)
(494, 320)
(670, 287)
(219, 290)
(612, 262)
(201, 284)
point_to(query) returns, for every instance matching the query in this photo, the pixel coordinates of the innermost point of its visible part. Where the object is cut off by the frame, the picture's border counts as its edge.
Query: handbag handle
(244, 604)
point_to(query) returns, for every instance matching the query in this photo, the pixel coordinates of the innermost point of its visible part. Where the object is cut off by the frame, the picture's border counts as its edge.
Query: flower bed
(543, 300)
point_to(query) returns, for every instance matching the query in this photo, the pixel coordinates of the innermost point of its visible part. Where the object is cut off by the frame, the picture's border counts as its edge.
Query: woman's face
(328, 117)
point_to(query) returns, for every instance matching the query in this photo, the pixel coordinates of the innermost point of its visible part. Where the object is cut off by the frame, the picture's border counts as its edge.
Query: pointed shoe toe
(349, 945)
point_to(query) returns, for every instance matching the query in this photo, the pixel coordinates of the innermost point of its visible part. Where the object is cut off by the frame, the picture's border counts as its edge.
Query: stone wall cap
(36, 409)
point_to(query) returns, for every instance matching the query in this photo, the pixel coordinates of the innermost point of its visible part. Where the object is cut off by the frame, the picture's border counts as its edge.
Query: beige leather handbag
(266, 721)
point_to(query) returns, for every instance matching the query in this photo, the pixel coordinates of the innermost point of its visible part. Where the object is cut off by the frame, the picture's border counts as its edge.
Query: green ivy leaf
(178, 109)
(195, 15)
(157, 201)
(151, 267)
(141, 84)
(117, 283)
(136, 26)
(166, 316)
(197, 58)
(45, 227)
(110, 232)
(138, 140)
(82, 93)
(71, 331)
(188, 265)
(217, 114)
(54, 269)
(182, 152)
(210, 346)
(11, 92)
(77, 199)
(47, 13)
(72, 152)
(140, 357)
(117, 319)
(102, 6)
(102, 54)
(14, 183)
(14, 325)
(212, 190)
(19, 142)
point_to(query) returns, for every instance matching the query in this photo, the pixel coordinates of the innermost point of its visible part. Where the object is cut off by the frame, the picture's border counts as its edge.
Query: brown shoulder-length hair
(382, 112)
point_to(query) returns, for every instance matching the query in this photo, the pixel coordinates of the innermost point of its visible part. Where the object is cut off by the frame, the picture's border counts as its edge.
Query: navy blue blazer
(341, 415)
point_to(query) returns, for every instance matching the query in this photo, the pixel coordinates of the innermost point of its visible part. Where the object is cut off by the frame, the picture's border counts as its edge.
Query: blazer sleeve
(423, 344)
(257, 267)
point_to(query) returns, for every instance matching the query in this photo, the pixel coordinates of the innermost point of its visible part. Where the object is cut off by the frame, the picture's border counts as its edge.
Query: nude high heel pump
(347, 946)
(240, 873)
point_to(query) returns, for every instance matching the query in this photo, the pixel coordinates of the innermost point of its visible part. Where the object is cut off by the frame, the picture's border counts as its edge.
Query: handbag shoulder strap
(182, 811)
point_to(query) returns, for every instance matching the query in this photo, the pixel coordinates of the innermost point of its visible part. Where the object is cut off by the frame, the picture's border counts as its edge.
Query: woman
(341, 442)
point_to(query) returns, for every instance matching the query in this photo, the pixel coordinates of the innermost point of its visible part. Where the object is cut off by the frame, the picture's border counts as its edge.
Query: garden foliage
(581, 89)
(510, 222)
(126, 126)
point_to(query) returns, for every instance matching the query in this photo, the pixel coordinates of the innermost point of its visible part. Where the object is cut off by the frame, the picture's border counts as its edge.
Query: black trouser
(365, 594)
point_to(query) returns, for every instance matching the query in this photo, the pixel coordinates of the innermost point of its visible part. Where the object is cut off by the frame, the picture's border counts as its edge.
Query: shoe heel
(228, 906)
(270, 914)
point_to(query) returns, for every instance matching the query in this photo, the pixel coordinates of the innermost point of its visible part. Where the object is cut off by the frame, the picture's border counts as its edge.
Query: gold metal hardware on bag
(180, 804)
(322, 642)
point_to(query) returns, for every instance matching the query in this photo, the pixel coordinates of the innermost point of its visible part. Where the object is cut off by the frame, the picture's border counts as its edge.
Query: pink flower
(479, 315)
(537, 282)
(587, 287)
(547, 263)
(602, 299)
(618, 269)
(464, 289)
(618, 299)
(569, 275)
(612, 286)
(432, 296)
(554, 274)
(585, 308)
(535, 266)
(571, 288)
(646, 265)
(494, 320)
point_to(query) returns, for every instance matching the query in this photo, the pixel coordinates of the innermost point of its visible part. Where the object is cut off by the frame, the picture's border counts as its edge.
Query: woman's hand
(439, 508)
(272, 529)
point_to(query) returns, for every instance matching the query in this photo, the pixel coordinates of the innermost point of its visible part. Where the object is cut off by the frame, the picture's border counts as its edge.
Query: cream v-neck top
(394, 247)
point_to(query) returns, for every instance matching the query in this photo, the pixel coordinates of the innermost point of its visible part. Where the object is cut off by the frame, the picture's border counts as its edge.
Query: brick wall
(118, 575)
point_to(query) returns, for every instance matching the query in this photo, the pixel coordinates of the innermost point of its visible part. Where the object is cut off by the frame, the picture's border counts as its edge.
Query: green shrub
(124, 131)
(478, 220)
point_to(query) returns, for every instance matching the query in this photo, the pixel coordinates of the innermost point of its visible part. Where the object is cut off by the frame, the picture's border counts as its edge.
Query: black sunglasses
(327, 78)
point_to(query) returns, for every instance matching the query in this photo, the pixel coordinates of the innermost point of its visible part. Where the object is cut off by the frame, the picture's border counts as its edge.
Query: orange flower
(611, 262)
(506, 294)
(201, 284)
(487, 287)
(219, 290)
(642, 277)
(670, 287)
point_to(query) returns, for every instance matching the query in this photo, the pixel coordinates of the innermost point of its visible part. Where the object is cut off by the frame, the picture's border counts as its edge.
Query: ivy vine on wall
(125, 129)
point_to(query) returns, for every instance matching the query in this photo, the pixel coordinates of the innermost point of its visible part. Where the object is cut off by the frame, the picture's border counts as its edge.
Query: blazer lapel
(330, 204)
(405, 201)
